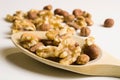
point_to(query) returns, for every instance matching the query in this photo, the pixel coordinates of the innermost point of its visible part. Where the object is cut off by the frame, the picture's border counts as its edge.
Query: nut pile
(63, 48)
(46, 19)
(60, 26)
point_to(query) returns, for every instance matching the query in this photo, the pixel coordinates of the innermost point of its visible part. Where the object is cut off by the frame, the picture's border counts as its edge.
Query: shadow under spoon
(104, 65)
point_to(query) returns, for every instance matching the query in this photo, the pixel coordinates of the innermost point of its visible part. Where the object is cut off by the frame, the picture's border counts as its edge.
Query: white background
(15, 65)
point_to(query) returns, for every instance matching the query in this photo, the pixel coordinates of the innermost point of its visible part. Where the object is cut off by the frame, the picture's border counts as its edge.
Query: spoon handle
(106, 70)
(100, 70)
(107, 65)
(108, 59)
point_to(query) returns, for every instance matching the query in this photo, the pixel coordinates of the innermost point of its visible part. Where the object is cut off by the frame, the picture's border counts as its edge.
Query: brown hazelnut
(58, 11)
(108, 22)
(85, 31)
(48, 7)
(32, 14)
(44, 27)
(64, 13)
(77, 12)
(69, 18)
(92, 51)
(61, 12)
(83, 59)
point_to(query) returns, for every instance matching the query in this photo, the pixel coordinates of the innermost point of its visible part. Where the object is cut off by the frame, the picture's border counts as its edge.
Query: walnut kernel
(89, 21)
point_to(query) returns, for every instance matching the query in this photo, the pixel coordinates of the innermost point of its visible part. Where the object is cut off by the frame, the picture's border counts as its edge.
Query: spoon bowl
(104, 65)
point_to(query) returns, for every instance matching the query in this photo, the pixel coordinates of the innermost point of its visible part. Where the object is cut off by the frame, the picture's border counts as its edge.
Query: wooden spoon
(104, 65)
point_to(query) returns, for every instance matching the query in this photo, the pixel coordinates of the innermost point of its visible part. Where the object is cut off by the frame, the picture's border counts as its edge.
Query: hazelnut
(32, 14)
(92, 51)
(58, 11)
(48, 7)
(64, 13)
(85, 31)
(77, 12)
(69, 18)
(83, 59)
(108, 22)
(44, 27)
(61, 12)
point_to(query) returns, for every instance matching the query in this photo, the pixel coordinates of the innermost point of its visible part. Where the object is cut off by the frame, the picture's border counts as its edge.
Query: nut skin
(108, 22)
(77, 12)
(83, 59)
(65, 13)
(48, 7)
(44, 27)
(93, 51)
(69, 18)
(32, 15)
(58, 11)
(61, 12)
(85, 31)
